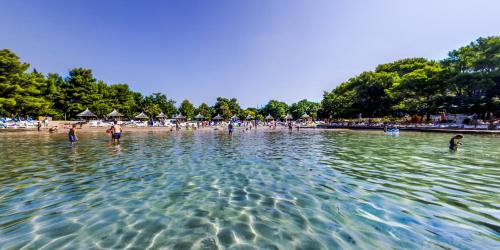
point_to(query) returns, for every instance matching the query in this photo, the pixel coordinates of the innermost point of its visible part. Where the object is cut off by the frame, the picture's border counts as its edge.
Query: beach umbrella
(305, 116)
(179, 117)
(141, 116)
(249, 117)
(86, 113)
(288, 117)
(199, 116)
(161, 115)
(218, 117)
(269, 117)
(114, 114)
(234, 117)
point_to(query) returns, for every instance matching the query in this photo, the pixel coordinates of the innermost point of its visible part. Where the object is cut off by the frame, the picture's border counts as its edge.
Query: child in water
(72, 134)
(455, 142)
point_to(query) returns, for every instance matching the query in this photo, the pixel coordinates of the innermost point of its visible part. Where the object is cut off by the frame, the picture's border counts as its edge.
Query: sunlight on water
(265, 190)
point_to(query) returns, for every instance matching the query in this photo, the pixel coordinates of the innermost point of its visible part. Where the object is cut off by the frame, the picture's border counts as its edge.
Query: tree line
(467, 81)
(26, 93)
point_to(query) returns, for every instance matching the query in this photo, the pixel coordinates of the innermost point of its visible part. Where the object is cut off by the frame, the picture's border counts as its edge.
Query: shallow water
(267, 190)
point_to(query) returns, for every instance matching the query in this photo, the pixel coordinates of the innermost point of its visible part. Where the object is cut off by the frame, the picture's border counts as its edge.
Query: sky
(253, 50)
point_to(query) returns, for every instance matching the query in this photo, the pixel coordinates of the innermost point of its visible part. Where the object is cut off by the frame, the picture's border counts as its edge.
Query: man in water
(116, 130)
(455, 142)
(39, 126)
(72, 134)
(230, 128)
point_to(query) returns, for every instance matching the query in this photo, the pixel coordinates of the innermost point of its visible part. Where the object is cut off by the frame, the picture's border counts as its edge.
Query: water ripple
(258, 190)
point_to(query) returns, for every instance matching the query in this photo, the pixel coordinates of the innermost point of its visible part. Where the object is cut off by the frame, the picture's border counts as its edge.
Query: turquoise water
(267, 190)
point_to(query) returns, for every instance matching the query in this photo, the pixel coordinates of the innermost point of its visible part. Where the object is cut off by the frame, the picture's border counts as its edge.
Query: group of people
(115, 131)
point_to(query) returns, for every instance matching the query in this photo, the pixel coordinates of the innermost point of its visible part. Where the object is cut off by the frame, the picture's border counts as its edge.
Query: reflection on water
(264, 190)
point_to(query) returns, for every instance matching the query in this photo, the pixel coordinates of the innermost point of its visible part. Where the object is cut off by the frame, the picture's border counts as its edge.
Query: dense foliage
(32, 94)
(468, 81)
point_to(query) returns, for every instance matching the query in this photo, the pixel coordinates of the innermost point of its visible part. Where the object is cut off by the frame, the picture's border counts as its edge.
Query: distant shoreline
(87, 129)
(431, 130)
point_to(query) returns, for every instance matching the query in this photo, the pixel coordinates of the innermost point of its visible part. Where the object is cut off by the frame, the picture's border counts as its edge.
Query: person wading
(72, 134)
(455, 142)
(116, 131)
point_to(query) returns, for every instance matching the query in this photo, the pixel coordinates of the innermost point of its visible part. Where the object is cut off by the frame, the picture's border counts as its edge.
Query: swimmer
(72, 134)
(116, 130)
(455, 142)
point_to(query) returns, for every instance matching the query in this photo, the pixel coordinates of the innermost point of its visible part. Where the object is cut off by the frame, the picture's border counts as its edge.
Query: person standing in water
(230, 128)
(39, 126)
(455, 142)
(116, 131)
(72, 134)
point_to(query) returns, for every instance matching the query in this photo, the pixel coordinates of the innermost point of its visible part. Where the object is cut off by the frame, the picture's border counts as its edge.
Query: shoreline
(424, 130)
(86, 129)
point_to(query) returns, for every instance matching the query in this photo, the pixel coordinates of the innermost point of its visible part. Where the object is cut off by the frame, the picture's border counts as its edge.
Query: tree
(187, 109)
(304, 107)
(474, 75)
(246, 112)
(227, 107)
(419, 91)
(336, 104)
(81, 90)
(158, 102)
(53, 90)
(205, 110)
(275, 108)
(20, 93)
(364, 94)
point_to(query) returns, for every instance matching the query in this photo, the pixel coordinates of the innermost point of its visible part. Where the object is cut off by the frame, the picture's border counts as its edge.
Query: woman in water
(72, 134)
(455, 142)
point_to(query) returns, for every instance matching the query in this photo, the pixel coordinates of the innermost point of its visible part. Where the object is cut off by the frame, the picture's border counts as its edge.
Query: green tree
(420, 91)
(81, 91)
(53, 90)
(187, 109)
(20, 92)
(304, 107)
(227, 107)
(158, 102)
(275, 108)
(205, 110)
(248, 111)
(474, 76)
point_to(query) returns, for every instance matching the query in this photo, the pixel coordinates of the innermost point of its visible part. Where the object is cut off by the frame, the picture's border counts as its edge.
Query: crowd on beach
(115, 128)
(440, 121)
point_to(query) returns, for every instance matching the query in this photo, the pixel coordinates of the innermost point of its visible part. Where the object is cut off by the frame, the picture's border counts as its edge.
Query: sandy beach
(63, 127)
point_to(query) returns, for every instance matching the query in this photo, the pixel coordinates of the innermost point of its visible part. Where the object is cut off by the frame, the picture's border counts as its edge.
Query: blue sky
(253, 50)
